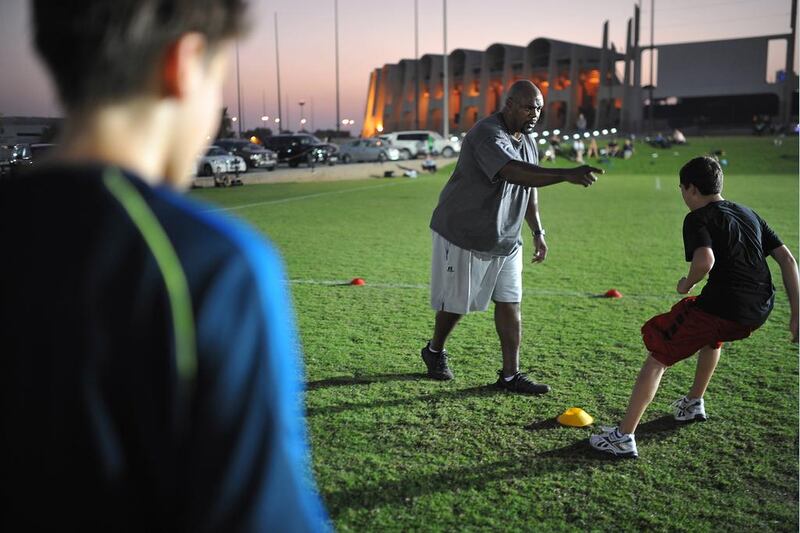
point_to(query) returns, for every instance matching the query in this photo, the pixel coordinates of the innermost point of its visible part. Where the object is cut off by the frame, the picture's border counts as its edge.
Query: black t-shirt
(739, 285)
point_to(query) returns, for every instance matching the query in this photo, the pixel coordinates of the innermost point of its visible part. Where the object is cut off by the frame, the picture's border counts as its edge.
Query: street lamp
(264, 118)
(302, 116)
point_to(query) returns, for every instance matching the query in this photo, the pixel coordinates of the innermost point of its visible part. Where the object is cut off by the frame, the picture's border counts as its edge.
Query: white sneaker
(688, 409)
(616, 443)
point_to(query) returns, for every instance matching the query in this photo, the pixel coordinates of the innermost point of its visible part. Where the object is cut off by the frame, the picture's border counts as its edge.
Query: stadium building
(713, 84)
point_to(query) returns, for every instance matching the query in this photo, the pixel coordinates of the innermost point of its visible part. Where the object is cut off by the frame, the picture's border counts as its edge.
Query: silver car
(368, 150)
(218, 161)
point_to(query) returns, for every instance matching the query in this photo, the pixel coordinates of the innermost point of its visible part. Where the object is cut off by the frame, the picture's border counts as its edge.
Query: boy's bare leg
(445, 322)
(643, 392)
(707, 361)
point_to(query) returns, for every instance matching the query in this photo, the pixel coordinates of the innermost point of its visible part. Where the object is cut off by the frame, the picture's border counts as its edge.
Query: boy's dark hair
(704, 173)
(103, 51)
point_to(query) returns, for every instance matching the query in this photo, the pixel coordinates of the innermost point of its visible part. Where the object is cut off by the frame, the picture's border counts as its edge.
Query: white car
(368, 150)
(218, 161)
(414, 143)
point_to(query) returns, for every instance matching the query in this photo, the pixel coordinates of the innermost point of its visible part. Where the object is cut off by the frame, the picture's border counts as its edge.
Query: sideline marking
(306, 196)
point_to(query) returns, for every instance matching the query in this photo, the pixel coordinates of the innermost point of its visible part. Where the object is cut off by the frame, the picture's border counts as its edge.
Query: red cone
(358, 281)
(613, 293)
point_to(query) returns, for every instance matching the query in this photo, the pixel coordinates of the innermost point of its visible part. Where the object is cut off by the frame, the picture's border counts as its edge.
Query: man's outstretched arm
(522, 173)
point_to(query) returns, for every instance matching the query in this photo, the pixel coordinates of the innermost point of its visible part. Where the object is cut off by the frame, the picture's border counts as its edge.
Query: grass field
(395, 451)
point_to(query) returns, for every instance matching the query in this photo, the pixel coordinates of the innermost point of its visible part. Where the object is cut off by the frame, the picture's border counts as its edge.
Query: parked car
(374, 149)
(254, 155)
(218, 161)
(297, 148)
(415, 143)
(19, 156)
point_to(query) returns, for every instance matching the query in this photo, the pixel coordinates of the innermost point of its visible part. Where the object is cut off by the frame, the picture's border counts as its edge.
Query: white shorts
(464, 280)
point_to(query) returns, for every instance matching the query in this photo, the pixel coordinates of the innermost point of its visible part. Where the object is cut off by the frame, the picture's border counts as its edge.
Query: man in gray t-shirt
(477, 230)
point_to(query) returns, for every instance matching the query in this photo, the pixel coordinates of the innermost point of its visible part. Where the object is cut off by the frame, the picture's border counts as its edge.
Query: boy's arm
(788, 265)
(702, 262)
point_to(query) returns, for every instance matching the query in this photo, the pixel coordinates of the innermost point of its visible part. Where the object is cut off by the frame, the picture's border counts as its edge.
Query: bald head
(522, 90)
(524, 103)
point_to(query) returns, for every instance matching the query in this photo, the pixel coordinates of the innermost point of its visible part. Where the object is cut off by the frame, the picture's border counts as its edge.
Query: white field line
(307, 196)
(530, 291)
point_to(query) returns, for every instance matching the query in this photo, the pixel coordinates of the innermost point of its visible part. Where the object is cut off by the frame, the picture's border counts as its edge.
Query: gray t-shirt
(477, 209)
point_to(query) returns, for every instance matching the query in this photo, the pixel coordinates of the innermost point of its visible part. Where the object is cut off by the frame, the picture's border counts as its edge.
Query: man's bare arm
(532, 217)
(522, 173)
(532, 211)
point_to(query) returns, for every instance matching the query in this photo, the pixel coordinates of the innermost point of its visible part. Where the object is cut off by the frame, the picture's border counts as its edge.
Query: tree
(260, 133)
(225, 125)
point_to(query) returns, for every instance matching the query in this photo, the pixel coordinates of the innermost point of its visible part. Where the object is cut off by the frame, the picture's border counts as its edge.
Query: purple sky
(374, 32)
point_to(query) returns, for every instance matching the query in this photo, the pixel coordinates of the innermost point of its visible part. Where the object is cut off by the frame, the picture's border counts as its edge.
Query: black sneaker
(521, 383)
(436, 363)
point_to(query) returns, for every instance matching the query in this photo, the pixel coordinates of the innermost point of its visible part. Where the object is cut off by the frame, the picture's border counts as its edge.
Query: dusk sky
(375, 32)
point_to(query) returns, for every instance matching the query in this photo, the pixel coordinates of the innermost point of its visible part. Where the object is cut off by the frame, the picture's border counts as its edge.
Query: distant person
(627, 149)
(555, 142)
(581, 123)
(477, 231)
(578, 148)
(593, 150)
(659, 141)
(547, 153)
(730, 243)
(613, 147)
(148, 357)
(678, 137)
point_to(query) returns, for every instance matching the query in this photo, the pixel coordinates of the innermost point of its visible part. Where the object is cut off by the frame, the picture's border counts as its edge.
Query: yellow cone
(575, 417)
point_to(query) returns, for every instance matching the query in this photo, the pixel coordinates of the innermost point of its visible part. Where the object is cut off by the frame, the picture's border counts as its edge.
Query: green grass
(394, 451)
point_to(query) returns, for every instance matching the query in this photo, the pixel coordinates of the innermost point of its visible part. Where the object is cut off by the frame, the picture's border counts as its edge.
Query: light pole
(302, 115)
(416, 63)
(238, 89)
(446, 95)
(336, 47)
(278, 72)
(652, 51)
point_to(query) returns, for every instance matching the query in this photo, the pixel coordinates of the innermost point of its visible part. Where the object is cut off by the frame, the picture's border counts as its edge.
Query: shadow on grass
(659, 428)
(403, 491)
(479, 391)
(362, 380)
(550, 423)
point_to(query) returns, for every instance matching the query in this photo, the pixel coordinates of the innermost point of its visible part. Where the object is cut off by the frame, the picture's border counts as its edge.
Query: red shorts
(676, 335)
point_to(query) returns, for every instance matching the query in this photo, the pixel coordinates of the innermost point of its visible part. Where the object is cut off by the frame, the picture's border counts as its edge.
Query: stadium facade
(714, 83)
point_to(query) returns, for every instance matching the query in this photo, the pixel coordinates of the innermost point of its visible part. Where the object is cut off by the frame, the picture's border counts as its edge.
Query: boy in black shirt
(729, 242)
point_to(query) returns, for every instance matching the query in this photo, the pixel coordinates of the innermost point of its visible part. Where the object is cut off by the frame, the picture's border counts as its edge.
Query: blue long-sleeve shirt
(149, 369)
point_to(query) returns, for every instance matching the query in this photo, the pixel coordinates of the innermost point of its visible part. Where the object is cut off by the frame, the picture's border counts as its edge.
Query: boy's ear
(182, 60)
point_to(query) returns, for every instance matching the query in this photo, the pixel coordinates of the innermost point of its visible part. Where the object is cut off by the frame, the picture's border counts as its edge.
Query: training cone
(358, 281)
(575, 417)
(613, 293)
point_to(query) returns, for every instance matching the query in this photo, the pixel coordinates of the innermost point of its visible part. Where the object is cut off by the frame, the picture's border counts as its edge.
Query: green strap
(167, 260)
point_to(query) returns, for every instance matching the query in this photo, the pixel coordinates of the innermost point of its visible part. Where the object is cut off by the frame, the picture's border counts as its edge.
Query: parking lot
(352, 171)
